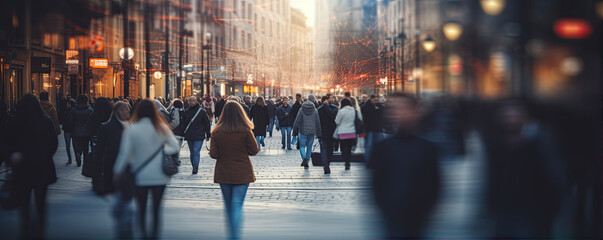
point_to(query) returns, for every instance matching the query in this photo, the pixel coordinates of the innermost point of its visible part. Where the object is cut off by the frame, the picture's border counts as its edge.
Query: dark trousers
(326, 152)
(67, 136)
(80, 147)
(346, 149)
(142, 194)
(38, 230)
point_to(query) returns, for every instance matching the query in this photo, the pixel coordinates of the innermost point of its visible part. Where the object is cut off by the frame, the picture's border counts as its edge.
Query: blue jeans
(234, 195)
(286, 132)
(294, 140)
(326, 152)
(305, 145)
(271, 125)
(195, 149)
(369, 140)
(259, 140)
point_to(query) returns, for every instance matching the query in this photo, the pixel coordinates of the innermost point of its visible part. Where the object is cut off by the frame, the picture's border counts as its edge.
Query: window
(243, 10)
(249, 9)
(234, 6)
(255, 23)
(248, 40)
(263, 25)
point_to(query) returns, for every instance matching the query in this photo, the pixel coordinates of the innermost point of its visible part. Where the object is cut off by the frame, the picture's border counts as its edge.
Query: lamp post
(429, 44)
(207, 76)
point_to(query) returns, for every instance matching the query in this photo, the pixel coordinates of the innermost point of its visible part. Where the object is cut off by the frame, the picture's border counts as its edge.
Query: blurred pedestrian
(197, 129)
(231, 144)
(294, 110)
(307, 126)
(372, 114)
(219, 107)
(49, 110)
(285, 123)
(248, 102)
(260, 118)
(406, 178)
(79, 119)
(272, 108)
(346, 129)
(141, 151)
(164, 113)
(327, 114)
(312, 99)
(209, 107)
(31, 141)
(67, 128)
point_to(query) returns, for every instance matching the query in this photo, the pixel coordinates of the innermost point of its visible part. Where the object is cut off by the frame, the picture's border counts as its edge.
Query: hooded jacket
(307, 121)
(52, 113)
(79, 119)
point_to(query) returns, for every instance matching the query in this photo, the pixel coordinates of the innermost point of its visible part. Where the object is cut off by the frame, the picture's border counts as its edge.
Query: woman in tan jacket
(232, 142)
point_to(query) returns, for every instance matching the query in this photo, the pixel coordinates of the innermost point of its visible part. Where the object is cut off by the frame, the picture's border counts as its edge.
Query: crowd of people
(122, 142)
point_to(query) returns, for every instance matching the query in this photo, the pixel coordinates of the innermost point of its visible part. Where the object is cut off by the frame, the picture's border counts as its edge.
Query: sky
(307, 7)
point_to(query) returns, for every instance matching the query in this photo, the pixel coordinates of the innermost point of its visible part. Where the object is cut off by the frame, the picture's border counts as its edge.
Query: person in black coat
(285, 122)
(272, 108)
(260, 118)
(67, 128)
(219, 106)
(406, 178)
(327, 113)
(372, 116)
(197, 129)
(30, 141)
(79, 120)
(294, 110)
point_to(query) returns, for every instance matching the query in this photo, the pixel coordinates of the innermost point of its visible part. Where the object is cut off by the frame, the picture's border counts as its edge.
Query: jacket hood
(308, 107)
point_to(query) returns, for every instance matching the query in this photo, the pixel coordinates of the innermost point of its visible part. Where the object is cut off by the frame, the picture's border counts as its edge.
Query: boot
(327, 170)
(78, 162)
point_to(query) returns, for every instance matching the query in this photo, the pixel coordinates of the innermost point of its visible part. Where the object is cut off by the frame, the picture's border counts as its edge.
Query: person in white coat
(346, 129)
(141, 148)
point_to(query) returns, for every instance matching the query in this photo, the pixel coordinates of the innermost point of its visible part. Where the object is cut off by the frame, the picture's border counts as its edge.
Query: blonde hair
(233, 119)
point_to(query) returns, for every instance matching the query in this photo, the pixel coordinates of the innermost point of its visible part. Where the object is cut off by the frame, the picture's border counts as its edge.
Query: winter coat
(232, 151)
(52, 113)
(295, 109)
(372, 116)
(174, 116)
(107, 147)
(79, 119)
(260, 118)
(37, 141)
(138, 143)
(345, 120)
(200, 127)
(283, 119)
(219, 107)
(272, 108)
(307, 121)
(327, 114)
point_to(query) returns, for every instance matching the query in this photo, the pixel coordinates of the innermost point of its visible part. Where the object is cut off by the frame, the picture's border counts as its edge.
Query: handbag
(127, 182)
(358, 124)
(170, 163)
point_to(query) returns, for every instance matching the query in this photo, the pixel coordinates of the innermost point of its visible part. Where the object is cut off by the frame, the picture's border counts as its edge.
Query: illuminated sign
(572, 28)
(99, 63)
(72, 57)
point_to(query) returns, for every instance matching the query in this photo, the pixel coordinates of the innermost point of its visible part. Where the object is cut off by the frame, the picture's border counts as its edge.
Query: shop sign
(72, 57)
(72, 69)
(99, 63)
(40, 64)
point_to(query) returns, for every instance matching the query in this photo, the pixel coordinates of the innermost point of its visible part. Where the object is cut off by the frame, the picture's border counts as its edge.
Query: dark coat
(327, 114)
(272, 108)
(283, 119)
(219, 107)
(37, 142)
(247, 109)
(372, 116)
(260, 118)
(79, 119)
(200, 127)
(107, 148)
(406, 182)
(295, 109)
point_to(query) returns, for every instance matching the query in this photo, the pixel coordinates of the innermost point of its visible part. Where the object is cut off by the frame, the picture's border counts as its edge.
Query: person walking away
(285, 123)
(50, 111)
(231, 145)
(346, 129)
(101, 113)
(79, 119)
(312, 99)
(219, 107)
(307, 126)
(272, 108)
(67, 128)
(164, 113)
(260, 118)
(372, 113)
(197, 128)
(248, 102)
(177, 115)
(327, 113)
(294, 110)
(30, 141)
(107, 146)
(209, 107)
(141, 150)
(405, 189)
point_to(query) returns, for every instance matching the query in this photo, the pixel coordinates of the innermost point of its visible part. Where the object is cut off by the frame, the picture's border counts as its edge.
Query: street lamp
(452, 30)
(207, 76)
(126, 53)
(429, 44)
(492, 7)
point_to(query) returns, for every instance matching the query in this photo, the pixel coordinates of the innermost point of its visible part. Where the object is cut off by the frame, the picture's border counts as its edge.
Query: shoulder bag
(193, 119)
(127, 182)
(358, 123)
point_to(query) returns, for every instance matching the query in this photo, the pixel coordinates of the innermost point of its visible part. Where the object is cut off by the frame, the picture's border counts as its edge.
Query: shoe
(263, 145)
(194, 172)
(68, 162)
(78, 162)
(347, 167)
(327, 170)
(283, 147)
(289, 148)
(305, 163)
